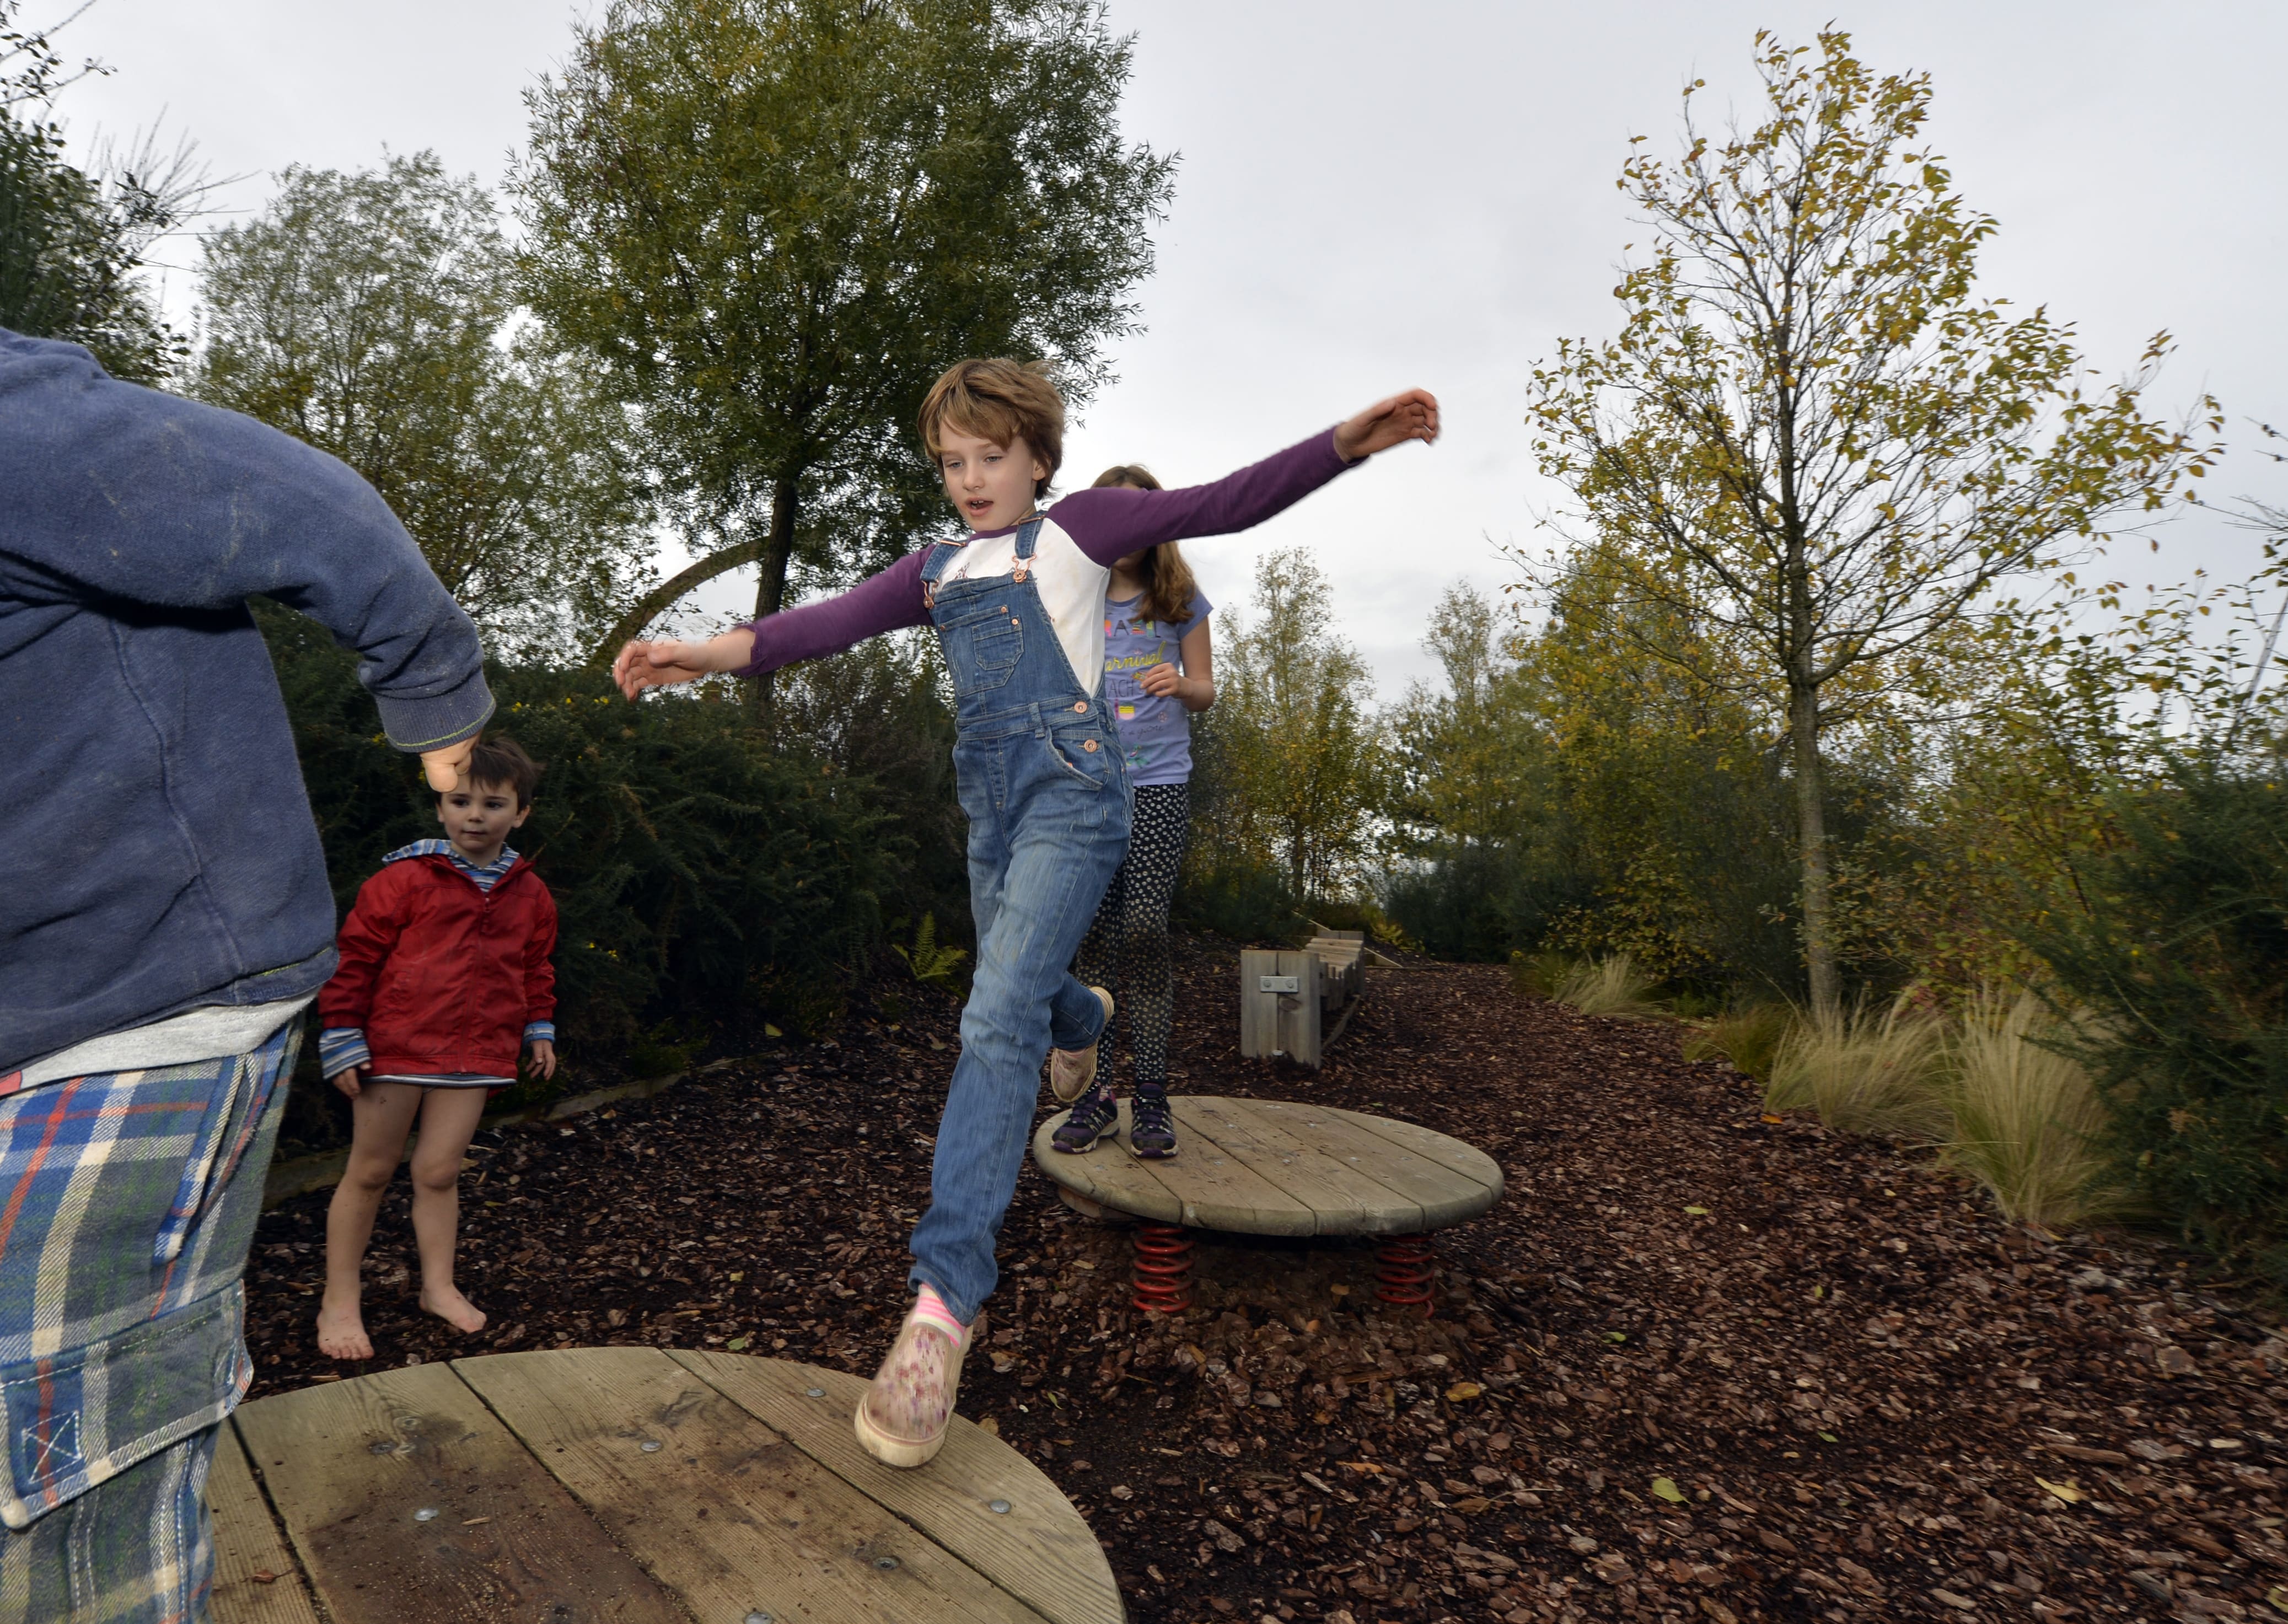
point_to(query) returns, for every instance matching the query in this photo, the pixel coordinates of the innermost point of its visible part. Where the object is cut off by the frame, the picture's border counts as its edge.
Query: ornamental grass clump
(1611, 986)
(2028, 1124)
(1864, 1071)
(1748, 1037)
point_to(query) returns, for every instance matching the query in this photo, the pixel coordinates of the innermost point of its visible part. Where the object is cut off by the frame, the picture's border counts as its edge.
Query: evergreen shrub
(2182, 961)
(700, 877)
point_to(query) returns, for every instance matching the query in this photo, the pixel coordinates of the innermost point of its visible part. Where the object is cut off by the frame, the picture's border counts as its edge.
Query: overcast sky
(1377, 195)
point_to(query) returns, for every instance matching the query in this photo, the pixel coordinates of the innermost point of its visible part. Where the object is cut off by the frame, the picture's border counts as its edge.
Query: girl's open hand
(660, 664)
(1411, 416)
(544, 1057)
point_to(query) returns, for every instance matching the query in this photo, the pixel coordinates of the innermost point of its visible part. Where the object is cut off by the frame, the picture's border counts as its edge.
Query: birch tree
(1815, 442)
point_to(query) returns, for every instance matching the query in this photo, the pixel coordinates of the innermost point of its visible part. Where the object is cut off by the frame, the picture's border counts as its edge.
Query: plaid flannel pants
(127, 1204)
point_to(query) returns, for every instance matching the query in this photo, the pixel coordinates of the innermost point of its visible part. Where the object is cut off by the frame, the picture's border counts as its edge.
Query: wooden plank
(1202, 1186)
(1346, 1200)
(1444, 1196)
(349, 1464)
(255, 1578)
(1038, 1549)
(726, 1512)
(1280, 1023)
(1467, 1159)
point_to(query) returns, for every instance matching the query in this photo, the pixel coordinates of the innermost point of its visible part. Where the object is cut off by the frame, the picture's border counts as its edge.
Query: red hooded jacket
(444, 976)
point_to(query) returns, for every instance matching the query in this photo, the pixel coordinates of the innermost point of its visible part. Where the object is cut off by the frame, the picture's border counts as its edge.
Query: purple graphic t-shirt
(1155, 731)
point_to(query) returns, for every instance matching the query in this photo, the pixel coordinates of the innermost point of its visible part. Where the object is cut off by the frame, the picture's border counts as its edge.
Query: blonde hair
(1005, 401)
(1169, 584)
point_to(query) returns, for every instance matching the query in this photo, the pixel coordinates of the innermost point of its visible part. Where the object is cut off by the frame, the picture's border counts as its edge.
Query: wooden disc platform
(633, 1485)
(1263, 1166)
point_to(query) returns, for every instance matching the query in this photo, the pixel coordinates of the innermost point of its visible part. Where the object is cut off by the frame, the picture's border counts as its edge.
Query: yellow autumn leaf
(1665, 1489)
(1463, 1389)
(2068, 1492)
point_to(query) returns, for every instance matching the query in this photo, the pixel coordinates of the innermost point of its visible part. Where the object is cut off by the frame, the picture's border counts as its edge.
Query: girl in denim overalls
(1018, 610)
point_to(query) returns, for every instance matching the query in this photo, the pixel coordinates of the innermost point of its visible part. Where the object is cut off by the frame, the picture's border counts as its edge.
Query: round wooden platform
(1264, 1166)
(631, 1485)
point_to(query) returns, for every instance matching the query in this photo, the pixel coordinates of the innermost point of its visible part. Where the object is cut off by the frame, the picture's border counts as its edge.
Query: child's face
(990, 485)
(478, 818)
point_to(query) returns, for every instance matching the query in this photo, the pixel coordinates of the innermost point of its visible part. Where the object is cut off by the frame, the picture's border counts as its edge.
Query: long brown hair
(1169, 586)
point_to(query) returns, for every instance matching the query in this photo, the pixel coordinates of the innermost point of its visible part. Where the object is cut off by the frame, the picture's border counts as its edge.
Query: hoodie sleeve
(122, 493)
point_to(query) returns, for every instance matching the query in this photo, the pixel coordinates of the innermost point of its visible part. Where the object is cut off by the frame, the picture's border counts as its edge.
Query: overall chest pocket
(983, 646)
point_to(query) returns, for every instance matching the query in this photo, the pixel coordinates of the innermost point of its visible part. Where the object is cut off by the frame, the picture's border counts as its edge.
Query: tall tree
(1813, 440)
(73, 239)
(373, 314)
(776, 221)
(1294, 732)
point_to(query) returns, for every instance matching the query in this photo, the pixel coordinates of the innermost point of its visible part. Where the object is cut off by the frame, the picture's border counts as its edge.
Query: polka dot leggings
(1126, 948)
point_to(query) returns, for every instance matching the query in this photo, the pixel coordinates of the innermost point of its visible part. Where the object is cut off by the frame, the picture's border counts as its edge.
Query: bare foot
(341, 1332)
(454, 1309)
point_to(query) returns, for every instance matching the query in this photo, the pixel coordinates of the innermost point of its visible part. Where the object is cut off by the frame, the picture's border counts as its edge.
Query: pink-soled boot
(901, 1419)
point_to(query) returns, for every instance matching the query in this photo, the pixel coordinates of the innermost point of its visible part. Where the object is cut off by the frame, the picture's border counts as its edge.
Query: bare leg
(382, 1112)
(448, 1120)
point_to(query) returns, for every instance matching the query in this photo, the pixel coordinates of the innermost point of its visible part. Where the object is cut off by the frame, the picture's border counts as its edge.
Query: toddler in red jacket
(444, 978)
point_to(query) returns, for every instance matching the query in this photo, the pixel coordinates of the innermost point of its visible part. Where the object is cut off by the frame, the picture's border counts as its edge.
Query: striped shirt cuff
(540, 1032)
(339, 1047)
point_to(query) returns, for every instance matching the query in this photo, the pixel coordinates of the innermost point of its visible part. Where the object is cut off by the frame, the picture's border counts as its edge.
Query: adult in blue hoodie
(164, 918)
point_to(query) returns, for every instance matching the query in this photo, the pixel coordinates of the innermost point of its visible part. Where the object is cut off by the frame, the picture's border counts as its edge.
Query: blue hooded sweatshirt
(158, 847)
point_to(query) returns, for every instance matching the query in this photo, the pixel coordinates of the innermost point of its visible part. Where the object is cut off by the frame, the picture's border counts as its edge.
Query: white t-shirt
(1070, 583)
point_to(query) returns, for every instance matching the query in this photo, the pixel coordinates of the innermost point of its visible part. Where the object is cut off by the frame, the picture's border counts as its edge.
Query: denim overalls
(1038, 764)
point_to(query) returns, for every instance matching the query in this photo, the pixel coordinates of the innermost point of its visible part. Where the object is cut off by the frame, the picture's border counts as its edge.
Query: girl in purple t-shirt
(1159, 668)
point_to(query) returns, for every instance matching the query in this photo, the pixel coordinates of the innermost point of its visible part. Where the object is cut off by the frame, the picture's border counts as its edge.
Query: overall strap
(940, 554)
(1027, 534)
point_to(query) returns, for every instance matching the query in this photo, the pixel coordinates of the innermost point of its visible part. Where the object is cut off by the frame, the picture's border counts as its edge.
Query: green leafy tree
(774, 222)
(1814, 447)
(72, 243)
(372, 313)
(1299, 758)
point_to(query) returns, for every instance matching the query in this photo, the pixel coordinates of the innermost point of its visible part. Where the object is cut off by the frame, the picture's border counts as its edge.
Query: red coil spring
(1164, 1269)
(1404, 1272)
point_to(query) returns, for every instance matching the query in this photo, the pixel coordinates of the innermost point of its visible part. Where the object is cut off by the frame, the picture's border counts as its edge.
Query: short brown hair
(1002, 400)
(503, 761)
(1169, 583)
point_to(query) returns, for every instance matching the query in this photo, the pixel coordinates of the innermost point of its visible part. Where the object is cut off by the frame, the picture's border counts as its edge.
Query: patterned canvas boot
(1072, 1071)
(902, 1419)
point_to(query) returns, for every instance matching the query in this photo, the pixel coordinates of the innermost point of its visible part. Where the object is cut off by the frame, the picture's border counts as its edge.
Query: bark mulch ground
(1695, 1366)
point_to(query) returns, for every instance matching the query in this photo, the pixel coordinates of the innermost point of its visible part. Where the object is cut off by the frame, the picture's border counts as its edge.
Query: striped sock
(931, 1307)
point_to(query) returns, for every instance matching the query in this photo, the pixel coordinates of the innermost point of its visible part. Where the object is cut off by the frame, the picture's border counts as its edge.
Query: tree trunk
(770, 583)
(662, 598)
(1811, 834)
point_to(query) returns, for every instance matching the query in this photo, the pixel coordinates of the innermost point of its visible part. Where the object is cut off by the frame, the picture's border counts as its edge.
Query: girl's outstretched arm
(883, 602)
(1112, 521)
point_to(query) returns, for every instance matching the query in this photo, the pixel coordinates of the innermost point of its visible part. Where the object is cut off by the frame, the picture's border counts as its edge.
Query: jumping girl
(1019, 608)
(1159, 668)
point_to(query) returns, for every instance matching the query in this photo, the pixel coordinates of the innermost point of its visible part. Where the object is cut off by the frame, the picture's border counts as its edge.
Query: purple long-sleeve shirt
(1105, 524)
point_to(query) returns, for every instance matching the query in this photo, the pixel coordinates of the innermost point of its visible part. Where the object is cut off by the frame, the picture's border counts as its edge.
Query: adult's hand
(1411, 416)
(666, 662)
(443, 768)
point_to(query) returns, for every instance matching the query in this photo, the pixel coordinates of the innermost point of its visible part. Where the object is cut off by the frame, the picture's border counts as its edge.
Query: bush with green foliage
(699, 876)
(2183, 960)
